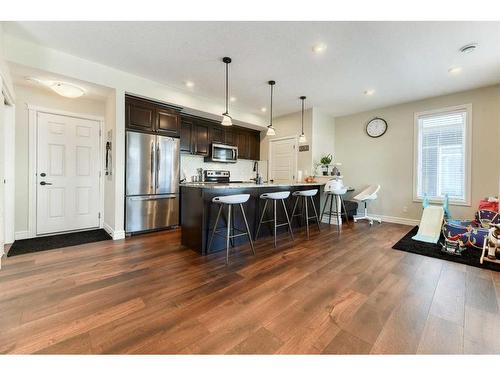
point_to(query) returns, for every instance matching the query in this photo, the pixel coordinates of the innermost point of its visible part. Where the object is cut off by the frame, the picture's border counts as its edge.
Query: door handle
(152, 164)
(157, 165)
(43, 183)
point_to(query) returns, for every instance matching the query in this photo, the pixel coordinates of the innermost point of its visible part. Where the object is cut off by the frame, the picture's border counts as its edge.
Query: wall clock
(376, 127)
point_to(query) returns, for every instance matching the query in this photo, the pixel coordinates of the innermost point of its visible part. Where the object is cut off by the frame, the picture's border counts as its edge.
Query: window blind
(442, 155)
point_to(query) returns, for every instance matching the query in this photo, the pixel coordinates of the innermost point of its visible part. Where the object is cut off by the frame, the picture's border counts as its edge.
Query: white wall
(43, 98)
(388, 160)
(323, 136)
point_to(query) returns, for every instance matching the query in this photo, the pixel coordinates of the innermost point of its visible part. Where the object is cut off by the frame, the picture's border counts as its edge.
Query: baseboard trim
(397, 220)
(22, 235)
(116, 235)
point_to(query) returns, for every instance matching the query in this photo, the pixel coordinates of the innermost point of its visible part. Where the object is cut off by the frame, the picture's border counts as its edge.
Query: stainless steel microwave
(222, 153)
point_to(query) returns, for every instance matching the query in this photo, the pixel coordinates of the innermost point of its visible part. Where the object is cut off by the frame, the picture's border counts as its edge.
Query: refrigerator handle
(157, 164)
(152, 164)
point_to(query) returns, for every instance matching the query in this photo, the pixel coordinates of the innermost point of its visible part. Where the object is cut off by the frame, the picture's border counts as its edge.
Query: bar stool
(230, 201)
(275, 197)
(304, 194)
(335, 194)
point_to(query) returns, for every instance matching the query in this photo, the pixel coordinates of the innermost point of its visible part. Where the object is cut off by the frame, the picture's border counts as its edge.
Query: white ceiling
(401, 61)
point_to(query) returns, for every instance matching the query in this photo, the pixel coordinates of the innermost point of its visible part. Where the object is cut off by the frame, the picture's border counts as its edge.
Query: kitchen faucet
(257, 179)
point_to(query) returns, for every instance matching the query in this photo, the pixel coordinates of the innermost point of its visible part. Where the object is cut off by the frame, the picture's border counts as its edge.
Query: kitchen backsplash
(242, 170)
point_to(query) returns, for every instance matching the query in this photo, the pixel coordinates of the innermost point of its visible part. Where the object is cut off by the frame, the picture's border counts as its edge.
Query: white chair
(275, 197)
(334, 190)
(369, 194)
(230, 201)
(304, 194)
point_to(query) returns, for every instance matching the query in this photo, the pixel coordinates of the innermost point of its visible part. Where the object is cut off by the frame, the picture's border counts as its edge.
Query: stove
(217, 176)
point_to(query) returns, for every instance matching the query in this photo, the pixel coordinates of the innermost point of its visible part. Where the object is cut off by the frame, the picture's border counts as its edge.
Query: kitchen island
(198, 213)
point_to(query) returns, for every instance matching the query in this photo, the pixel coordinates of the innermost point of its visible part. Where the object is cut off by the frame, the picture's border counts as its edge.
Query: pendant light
(302, 138)
(270, 129)
(226, 119)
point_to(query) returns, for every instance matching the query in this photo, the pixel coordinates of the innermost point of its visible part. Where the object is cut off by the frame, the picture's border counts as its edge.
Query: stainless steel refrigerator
(152, 182)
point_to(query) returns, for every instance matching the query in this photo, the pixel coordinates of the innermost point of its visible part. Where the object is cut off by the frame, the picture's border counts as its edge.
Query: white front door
(283, 159)
(67, 173)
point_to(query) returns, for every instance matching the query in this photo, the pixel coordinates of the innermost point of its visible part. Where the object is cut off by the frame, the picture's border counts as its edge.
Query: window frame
(468, 152)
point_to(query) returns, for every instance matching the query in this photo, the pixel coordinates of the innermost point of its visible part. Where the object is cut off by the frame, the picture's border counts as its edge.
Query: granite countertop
(205, 185)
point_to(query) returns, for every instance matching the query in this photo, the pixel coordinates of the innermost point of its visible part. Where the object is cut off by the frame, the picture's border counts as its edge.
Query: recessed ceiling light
(319, 48)
(455, 70)
(189, 84)
(232, 98)
(369, 92)
(263, 109)
(468, 48)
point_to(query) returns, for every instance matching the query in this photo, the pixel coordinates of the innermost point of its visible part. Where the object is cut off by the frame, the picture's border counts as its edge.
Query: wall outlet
(405, 209)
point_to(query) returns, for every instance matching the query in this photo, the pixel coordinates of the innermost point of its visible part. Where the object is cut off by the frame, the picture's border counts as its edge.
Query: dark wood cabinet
(201, 139)
(217, 134)
(139, 115)
(197, 135)
(254, 146)
(242, 143)
(167, 122)
(186, 144)
(148, 116)
(230, 137)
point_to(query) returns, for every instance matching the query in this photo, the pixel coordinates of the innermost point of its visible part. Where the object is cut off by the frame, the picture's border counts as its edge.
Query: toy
(491, 244)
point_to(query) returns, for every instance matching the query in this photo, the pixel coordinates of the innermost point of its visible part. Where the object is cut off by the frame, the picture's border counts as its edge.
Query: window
(442, 154)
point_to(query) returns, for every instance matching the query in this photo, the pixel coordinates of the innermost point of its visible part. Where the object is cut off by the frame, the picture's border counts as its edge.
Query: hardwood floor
(148, 294)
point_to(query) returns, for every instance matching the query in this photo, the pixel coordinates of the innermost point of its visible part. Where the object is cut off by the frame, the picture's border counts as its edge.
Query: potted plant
(325, 162)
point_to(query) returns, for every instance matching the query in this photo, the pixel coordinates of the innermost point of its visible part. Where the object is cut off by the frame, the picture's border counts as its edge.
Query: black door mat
(33, 245)
(470, 256)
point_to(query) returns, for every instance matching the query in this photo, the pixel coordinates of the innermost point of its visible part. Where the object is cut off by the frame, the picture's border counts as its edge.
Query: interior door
(282, 160)
(67, 174)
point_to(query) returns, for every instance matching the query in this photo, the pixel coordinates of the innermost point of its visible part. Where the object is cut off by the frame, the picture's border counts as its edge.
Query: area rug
(33, 245)
(470, 256)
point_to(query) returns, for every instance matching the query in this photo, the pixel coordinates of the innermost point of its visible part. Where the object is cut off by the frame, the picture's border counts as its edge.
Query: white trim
(9, 173)
(32, 138)
(22, 235)
(296, 148)
(116, 235)
(468, 153)
(398, 220)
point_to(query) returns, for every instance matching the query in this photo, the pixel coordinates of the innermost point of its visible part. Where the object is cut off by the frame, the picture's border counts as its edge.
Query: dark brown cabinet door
(242, 143)
(230, 137)
(217, 134)
(139, 115)
(167, 122)
(201, 140)
(254, 146)
(186, 144)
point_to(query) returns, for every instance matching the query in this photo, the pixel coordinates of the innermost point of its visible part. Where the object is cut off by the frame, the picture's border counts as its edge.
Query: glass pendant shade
(270, 130)
(302, 138)
(226, 120)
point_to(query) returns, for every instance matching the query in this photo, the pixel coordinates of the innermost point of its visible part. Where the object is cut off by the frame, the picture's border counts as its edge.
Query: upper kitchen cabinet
(139, 115)
(201, 138)
(187, 141)
(254, 146)
(231, 137)
(167, 122)
(147, 116)
(242, 143)
(217, 134)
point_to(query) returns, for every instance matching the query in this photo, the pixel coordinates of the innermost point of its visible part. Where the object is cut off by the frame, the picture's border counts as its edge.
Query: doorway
(283, 159)
(66, 187)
